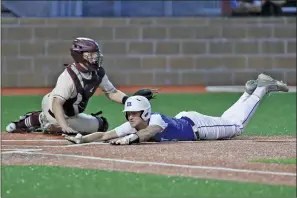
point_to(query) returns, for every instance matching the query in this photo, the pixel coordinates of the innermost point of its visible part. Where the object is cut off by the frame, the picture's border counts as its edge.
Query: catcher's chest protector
(85, 90)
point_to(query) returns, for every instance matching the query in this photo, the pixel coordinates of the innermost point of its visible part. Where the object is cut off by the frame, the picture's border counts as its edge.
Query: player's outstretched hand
(78, 139)
(127, 140)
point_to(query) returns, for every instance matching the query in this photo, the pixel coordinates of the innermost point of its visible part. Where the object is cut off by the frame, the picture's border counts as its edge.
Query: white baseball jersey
(126, 129)
(65, 89)
(191, 125)
(188, 126)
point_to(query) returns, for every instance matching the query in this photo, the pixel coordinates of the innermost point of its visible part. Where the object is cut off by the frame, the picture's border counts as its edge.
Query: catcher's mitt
(148, 93)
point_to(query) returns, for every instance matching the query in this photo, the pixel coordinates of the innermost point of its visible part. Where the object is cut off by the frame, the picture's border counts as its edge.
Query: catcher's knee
(103, 123)
(43, 120)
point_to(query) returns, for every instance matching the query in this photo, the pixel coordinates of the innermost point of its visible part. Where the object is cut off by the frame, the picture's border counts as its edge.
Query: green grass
(276, 114)
(48, 181)
(277, 161)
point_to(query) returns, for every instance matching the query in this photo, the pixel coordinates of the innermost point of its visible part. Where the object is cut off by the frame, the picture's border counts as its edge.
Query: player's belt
(192, 124)
(51, 113)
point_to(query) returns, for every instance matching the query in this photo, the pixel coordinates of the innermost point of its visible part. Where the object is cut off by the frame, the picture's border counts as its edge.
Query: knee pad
(44, 123)
(29, 121)
(103, 124)
(28, 114)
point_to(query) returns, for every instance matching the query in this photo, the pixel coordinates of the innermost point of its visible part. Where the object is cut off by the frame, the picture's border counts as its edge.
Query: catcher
(142, 125)
(62, 108)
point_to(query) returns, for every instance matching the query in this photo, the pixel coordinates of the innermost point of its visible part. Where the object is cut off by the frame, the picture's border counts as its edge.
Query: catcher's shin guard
(26, 123)
(103, 123)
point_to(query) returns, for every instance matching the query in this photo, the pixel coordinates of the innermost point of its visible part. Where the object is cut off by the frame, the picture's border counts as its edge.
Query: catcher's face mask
(94, 59)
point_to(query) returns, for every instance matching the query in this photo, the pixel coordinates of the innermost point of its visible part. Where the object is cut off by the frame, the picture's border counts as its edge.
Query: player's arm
(62, 91)
(118, 96)
(99, 136)
(119, 131)
(142, 135)
(59, 111)
(147, 133)
(156, 125)
(111, 92)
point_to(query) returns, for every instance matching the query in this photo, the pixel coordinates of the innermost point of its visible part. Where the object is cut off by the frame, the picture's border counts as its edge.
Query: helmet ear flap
(143, 115)
(77, 55)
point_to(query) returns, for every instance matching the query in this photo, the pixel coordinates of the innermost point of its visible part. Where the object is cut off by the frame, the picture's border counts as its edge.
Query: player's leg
(48, 121)
(82, 123)
(244, 112)
(250, 86)
(85, 123)
(212, 128)
(30, 121)
(225, 127)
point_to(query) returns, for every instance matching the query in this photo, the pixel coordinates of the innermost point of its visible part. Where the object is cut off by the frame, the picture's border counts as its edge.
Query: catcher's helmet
(87, 52)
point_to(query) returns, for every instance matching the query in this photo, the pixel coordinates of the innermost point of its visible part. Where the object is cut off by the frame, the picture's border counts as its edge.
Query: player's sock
(260, 92)
(30, 121)
(249, 107)
(243, 97)
(232, 111)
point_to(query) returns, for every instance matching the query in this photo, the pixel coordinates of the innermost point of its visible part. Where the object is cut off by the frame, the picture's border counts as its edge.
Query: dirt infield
(225, 160)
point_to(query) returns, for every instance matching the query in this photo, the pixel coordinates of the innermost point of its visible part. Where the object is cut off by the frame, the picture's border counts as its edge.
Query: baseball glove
(148, 93)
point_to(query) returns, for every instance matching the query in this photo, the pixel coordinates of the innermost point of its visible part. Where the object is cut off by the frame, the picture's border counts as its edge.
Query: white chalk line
(162, 164)
(11, 151)
(164, 142)
(21, 150)
(61, 140)
(29, 151)
(32, 140)
(54, 146)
